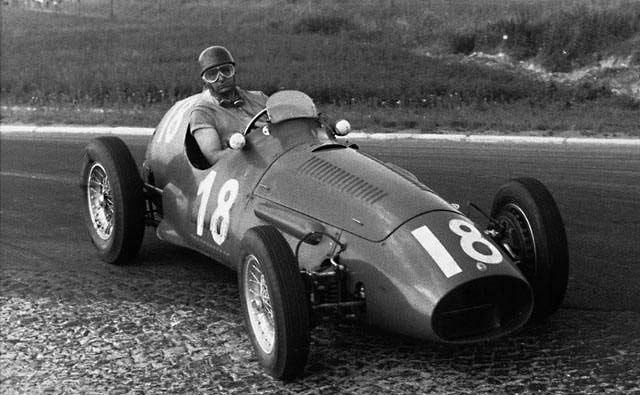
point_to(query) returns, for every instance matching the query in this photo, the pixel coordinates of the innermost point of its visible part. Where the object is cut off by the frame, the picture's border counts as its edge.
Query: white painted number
(204, 189)
(469, 235)
(219, 224)
(220, 218)
(437, 251)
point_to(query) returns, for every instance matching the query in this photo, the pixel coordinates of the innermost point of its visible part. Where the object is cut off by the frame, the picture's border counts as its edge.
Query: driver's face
(223, 85)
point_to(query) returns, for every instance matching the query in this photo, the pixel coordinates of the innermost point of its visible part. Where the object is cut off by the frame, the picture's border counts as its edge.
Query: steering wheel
(253, 121)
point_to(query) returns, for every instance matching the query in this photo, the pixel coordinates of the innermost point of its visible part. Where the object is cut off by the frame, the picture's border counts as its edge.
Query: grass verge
(354, 59)
(513, 118)
(560, 42)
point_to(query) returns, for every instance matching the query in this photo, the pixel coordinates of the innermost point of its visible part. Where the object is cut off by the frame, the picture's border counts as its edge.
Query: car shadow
(168, 282)
(346, 348)
(565, 345)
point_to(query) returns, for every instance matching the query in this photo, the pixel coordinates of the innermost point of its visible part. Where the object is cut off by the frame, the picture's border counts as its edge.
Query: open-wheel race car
(314, 227)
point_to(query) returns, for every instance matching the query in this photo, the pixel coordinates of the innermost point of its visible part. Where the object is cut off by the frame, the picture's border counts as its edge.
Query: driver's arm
(209, 143)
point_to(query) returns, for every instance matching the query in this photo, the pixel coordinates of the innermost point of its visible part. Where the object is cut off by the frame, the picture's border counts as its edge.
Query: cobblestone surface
(136, 330)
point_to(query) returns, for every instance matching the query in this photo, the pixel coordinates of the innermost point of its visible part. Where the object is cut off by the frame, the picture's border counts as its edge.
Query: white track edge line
(137, 131)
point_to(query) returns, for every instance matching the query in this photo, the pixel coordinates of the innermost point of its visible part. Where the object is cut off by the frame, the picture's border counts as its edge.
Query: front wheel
(274, 302)
(113, 197)
(532, 231)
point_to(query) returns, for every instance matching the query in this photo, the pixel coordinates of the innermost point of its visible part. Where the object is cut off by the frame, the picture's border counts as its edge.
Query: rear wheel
(533, 232)
(274, 302)
(114, 199)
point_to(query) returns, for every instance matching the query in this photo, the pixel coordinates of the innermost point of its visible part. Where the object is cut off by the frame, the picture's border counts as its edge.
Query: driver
(222, 108)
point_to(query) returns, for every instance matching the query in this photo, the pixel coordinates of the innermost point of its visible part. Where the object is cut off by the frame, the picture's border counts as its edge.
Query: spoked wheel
(274, 302)
(518, 237)
(533, 233)
(258, 303)
(100, 200)
(113, 193)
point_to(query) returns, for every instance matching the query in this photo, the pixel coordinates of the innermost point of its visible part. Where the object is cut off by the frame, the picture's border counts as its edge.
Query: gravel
(137, 331)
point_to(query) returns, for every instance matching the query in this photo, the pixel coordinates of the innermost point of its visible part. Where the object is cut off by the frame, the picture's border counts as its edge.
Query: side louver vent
(342, 180)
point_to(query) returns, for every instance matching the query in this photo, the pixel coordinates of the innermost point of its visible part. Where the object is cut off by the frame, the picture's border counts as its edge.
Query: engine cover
(344, 188)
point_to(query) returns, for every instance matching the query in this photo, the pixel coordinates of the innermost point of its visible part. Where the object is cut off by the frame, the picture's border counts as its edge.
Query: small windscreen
(285, 105)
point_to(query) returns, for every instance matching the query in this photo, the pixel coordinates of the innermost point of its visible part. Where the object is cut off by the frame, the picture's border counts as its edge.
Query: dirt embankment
(619, 74)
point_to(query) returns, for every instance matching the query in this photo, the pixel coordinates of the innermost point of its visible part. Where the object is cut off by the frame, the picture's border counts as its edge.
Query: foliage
(325, 24)
(123, 63)
(561, 42)
(340, 52)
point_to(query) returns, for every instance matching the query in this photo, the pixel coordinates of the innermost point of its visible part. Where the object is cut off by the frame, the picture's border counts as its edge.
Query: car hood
(346, 189)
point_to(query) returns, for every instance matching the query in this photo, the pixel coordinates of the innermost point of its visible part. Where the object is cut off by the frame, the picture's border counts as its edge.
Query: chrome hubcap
(518, 237)
(100, 201)
(259, 306)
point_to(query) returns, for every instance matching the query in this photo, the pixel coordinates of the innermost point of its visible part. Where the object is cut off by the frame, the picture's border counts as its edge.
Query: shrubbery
(113, 64)
(339, 52)
(325, 24)
(560, 42)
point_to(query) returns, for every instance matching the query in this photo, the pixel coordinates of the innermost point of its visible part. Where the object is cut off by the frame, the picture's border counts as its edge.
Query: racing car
(315, 228)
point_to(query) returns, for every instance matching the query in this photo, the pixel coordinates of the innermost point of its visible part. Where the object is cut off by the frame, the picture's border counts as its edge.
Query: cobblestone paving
(178, 329)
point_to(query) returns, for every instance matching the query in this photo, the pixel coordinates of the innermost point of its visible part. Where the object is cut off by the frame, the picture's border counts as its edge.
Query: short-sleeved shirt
(209, 113)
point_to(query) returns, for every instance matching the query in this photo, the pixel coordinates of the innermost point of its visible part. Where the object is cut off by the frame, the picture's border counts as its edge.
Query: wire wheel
(518, 237)
(100, 200)
(258, 304)
(533, 233)
(115, 204)
(274, 301)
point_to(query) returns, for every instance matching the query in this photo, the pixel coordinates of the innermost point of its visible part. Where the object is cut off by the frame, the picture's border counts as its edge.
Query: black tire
(535, 234)
(114, 208)
(283, 352)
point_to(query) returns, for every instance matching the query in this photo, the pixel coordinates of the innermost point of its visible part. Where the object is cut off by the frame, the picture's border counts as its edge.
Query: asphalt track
(597, 187)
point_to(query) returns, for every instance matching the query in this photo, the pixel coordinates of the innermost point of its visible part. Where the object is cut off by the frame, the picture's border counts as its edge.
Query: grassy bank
(520, 117)
(564, 41)
(362, 59)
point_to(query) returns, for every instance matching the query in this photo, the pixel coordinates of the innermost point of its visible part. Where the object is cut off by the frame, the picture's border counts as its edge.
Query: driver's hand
(237, 141)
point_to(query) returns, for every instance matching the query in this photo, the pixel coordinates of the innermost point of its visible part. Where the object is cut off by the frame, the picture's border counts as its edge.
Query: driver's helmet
(214, 56)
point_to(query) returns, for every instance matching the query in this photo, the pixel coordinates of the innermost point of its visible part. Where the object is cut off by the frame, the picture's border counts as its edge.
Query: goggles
(213, 74)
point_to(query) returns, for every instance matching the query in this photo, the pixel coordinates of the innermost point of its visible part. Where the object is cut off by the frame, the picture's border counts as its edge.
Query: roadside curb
(471, 138)
(74, 129)
(135, 131)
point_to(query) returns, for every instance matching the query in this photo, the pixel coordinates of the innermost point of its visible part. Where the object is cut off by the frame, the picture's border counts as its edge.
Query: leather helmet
(214, 56)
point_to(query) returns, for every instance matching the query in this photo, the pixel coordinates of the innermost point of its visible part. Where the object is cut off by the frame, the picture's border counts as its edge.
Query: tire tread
(294, 349)
(126, 182)
(550, 283)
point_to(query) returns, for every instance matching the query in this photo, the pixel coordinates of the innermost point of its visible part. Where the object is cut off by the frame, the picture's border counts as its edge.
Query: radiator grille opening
(483, 308)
